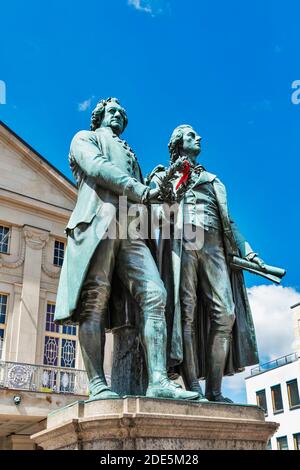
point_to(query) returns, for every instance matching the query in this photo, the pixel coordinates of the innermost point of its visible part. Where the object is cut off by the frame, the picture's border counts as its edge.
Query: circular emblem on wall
(18, 376)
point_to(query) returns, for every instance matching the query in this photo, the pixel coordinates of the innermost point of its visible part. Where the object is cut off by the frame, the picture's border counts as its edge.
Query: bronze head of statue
(109, 113)
(184, 142)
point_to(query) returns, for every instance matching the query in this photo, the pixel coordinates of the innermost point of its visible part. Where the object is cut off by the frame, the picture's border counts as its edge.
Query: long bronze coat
(105, 168)
(243, 349)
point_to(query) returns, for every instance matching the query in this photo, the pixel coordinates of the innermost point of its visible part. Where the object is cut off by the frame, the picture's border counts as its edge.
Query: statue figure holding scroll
(206, 289)
(105, 167)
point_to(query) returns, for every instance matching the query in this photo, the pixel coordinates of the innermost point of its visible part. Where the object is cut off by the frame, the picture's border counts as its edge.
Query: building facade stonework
(40, 362)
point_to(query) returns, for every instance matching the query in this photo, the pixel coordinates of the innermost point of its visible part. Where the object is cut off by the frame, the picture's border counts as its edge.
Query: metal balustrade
(281, 361)
(39, 378)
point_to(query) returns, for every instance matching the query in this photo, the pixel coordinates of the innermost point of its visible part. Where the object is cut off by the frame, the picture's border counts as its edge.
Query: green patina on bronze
(168, 306)
(207, 300)
(101, 278)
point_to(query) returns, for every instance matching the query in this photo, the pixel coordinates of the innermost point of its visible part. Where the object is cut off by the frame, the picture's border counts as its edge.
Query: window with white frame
(60, 348)
(282, 443)
(262, 400)
(4, 239)
(3, 318)
(59, 252)
(293, 393)
(296, 441)
(277, 399)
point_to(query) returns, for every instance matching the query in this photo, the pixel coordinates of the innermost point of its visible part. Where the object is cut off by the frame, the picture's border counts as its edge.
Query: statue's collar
(203, 177)
(107, 130)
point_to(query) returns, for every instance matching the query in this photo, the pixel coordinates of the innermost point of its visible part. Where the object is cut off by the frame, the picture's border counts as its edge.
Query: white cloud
(273, 320)
(85, 104)
(141, 5)
(153, 7)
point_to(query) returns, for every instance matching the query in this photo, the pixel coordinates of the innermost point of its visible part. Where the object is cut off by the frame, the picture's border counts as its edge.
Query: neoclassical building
(41, 367)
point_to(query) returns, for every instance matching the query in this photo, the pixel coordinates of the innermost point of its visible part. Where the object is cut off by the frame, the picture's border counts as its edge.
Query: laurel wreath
(167, 193)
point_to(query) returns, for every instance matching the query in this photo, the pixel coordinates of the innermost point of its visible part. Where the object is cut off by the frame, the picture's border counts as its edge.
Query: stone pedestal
(155, 424)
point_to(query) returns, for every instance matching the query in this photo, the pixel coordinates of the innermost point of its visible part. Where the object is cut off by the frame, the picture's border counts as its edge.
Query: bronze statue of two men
(189, 306)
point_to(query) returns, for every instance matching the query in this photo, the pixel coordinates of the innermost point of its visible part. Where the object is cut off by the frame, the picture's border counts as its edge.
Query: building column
(35, 240)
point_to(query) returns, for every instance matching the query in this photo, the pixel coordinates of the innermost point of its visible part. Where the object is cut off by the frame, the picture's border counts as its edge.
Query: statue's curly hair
(176, 141)
(98, 113)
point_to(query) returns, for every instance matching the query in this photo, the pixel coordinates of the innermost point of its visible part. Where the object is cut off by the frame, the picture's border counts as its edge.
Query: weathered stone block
(135, 423)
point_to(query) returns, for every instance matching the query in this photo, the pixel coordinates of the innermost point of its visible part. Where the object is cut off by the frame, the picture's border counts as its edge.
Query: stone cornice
(37, 161)
(37, 207)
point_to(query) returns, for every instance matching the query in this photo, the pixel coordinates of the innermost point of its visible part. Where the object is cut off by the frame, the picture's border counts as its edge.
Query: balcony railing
(281, 361)
(36, 378)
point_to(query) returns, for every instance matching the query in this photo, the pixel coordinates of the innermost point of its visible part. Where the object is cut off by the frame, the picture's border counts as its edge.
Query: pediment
(23, 171)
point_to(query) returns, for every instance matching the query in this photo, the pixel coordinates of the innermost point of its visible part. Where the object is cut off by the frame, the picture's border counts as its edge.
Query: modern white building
(275, 387)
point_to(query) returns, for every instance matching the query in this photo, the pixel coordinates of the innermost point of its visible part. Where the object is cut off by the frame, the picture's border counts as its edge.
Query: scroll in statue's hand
(257, 260)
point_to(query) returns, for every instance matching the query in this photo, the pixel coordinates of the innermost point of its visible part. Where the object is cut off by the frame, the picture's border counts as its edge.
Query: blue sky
(224, 67)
